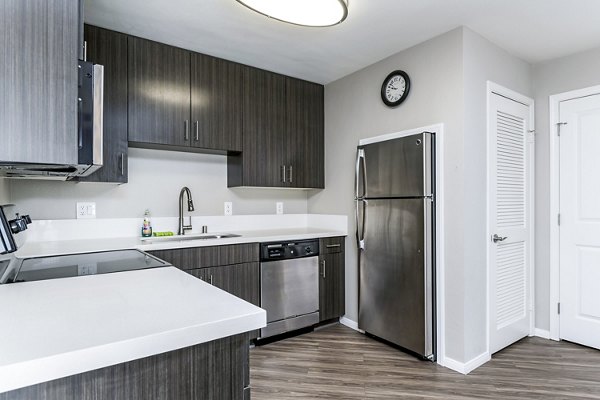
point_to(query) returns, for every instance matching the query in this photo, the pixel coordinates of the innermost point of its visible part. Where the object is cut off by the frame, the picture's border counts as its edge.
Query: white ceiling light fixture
(318, 13)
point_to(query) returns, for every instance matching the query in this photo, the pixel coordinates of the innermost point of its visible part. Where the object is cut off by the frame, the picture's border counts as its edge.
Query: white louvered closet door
(509, 221)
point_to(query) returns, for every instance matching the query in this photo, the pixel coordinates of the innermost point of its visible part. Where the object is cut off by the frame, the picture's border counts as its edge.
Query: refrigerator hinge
(558, 125)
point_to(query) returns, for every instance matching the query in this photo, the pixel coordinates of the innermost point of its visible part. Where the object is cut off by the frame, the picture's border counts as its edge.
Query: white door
(580, 221)
(510, 241)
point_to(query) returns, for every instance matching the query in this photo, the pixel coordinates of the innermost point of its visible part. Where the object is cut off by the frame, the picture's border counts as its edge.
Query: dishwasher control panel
(290, 249)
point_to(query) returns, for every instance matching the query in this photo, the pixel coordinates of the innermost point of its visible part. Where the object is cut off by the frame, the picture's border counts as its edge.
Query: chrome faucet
(190, 207)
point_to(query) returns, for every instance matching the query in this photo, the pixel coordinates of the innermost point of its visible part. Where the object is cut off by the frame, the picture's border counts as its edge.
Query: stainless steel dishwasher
(289, 285)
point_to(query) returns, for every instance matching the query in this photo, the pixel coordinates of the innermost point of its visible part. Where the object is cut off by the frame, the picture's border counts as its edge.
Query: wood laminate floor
(339, 363)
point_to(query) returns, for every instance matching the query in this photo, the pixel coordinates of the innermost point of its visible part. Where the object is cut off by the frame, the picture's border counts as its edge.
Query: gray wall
(482, 61)
(354, 110)
(155, 179)
(556, 76)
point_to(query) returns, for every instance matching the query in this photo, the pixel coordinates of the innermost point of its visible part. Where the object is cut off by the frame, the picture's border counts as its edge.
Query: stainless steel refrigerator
(395, 218)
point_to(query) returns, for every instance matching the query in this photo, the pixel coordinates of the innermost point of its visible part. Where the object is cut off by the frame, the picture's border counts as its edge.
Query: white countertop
(61, 327)
(50, 248)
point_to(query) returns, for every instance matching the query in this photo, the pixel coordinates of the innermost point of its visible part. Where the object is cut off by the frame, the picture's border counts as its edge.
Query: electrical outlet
(90, 268)
(279, 207)
(228, 208)
(86, 210)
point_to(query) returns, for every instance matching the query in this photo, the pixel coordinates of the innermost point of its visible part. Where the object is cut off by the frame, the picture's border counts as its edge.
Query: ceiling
(534, 30)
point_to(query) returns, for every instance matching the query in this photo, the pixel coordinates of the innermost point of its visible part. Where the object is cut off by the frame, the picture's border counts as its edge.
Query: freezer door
(396, 280)
(396, 168)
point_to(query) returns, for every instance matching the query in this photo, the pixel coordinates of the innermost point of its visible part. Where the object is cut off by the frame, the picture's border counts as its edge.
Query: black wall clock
(395, 88)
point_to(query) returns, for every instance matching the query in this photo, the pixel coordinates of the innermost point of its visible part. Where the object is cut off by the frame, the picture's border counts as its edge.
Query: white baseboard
(350, 324)
(465, 368)
(542, 333)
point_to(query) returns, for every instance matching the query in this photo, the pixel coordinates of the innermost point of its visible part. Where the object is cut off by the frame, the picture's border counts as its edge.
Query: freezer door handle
(360, 223)
(360, 161)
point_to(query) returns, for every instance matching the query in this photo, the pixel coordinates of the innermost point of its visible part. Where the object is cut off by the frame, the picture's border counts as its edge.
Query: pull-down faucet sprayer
(190, 207)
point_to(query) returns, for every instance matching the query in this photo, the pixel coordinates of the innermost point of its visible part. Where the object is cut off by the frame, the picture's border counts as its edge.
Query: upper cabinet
(109, 49)
(283, 133)
(38, 84)
(159, 93)
(216, 103)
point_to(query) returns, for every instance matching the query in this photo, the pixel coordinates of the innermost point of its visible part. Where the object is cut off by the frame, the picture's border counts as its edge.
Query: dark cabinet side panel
(216, 92)
(109, 49)
(159, 93)
(38, 80)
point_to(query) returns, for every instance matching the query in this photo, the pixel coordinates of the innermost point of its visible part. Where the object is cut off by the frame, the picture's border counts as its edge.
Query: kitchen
(278, 188)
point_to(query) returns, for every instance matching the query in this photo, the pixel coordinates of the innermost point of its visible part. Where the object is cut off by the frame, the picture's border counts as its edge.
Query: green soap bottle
(146, 226)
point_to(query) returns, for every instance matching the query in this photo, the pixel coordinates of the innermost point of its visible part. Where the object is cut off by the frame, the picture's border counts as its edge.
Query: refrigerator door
(395, 288)
(396, 168)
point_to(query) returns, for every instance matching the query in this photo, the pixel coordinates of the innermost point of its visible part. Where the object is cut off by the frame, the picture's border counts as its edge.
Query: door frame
(440, 309)
(496, 89)
(554, 110)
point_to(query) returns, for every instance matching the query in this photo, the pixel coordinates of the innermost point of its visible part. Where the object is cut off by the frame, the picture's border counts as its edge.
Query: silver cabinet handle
(122, 164)
(323, 274)
(291, 176)
(283, 174)
(497, 238)
(197, 128)
(186, 130)
(211, 279)
(331, 246)
(85, 50)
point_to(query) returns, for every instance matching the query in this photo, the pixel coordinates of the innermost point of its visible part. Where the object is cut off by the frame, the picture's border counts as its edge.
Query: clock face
(395, 88)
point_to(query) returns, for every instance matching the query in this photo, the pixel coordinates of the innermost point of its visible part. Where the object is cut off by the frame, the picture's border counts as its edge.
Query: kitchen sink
(179, 238)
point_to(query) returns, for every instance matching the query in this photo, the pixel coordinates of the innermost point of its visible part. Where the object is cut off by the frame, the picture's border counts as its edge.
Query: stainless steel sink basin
(180, 238)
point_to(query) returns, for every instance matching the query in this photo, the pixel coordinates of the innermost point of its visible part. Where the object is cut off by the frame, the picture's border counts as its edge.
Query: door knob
(497, 238)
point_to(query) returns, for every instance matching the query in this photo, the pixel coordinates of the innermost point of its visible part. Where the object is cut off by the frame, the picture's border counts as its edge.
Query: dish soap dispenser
(146, 227)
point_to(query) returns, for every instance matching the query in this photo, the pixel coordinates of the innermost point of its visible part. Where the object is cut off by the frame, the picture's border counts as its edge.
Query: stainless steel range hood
(88, 138)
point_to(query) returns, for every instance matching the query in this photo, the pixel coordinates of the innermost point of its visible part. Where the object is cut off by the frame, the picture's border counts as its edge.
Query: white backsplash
(75, 229)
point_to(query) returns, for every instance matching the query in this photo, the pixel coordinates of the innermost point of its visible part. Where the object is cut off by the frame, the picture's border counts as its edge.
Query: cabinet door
(241, 280)
(109, 49)
(304, 142)
(264, 128)
(331, 286)
(216, 103)
(38, 81)
(159, 93)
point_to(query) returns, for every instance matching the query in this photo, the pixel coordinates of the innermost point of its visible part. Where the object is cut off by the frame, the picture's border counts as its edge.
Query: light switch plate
(279, 207)
(228, 208)
(86, 210)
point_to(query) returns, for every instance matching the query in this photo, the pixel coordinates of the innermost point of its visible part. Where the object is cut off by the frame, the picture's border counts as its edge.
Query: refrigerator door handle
(360, 159)
(360, 228)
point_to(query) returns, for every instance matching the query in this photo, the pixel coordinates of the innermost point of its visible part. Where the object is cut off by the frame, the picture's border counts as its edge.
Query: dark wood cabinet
(216, 102)
(109, 49)
(38, 81)
(304, 143)
(283, 133)
(159, 93)
(331, 278)
(262, 160)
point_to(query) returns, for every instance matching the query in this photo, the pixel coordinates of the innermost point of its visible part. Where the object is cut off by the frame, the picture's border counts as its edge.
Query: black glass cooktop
(35, 269)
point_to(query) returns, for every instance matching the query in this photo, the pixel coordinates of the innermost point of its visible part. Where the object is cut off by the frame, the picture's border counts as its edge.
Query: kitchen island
(151, 334)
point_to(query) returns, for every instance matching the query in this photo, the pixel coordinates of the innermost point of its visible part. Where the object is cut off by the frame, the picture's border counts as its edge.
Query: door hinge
(558, 219)
(558, 125)
(559, 308)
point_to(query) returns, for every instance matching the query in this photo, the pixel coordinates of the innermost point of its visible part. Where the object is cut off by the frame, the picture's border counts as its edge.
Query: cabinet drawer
(332, 245)
(212, 256)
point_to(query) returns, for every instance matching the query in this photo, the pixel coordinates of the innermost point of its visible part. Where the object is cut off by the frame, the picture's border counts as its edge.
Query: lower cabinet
(241, 280)
(331, 278)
